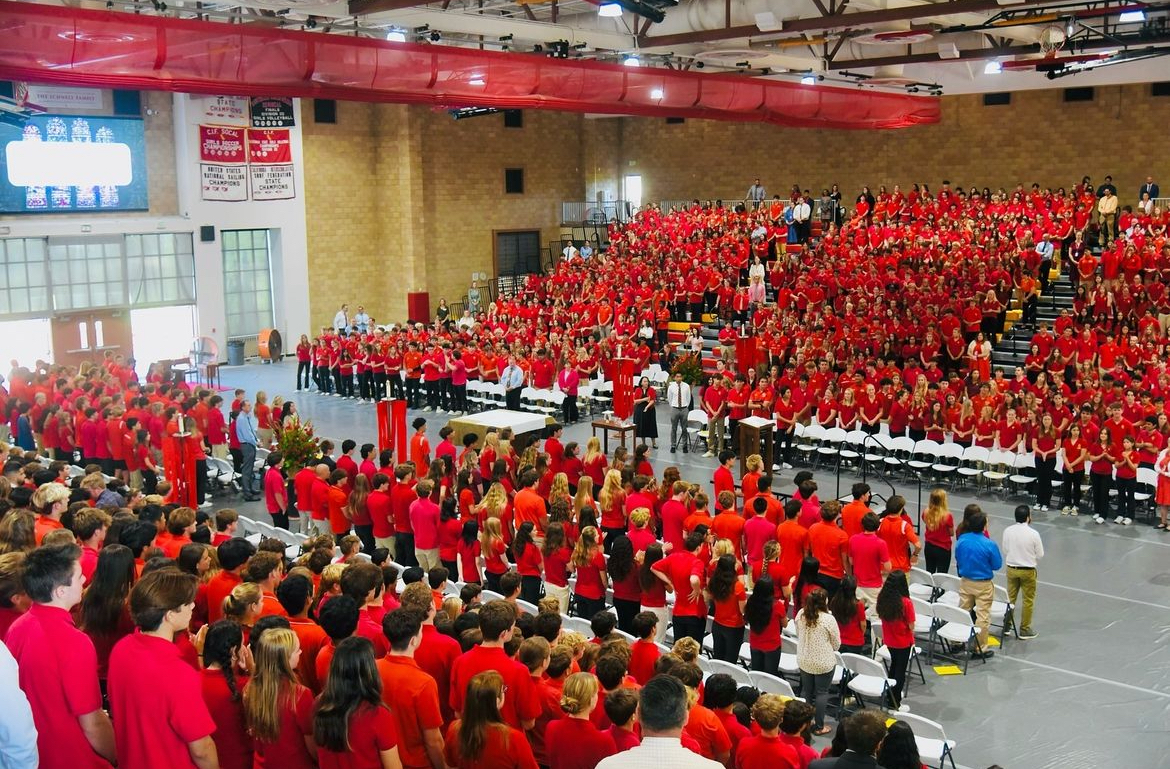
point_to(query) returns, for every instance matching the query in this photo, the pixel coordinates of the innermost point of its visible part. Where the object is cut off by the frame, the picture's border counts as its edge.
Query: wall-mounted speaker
(207, 234)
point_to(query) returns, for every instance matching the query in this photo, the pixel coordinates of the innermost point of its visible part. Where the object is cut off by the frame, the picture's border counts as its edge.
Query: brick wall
(1037, 138)
(403, 198)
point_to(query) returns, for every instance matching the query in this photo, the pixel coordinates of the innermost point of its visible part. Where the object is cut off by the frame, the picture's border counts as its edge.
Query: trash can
(235, 349)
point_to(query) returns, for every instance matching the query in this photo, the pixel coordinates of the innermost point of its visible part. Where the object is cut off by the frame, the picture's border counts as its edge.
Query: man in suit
(1150, 187)
(864, 732)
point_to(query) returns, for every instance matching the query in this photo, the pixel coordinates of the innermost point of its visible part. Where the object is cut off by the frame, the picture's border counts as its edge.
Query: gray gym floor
(1093, 690)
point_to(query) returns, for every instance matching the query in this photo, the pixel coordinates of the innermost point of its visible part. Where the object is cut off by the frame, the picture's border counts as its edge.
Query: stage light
(609, 10)
(1132, 17)
(992, 68)
(396, 36)
(632, 60)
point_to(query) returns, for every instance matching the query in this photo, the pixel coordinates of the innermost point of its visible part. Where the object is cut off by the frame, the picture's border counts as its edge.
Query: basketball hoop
(1051, 40)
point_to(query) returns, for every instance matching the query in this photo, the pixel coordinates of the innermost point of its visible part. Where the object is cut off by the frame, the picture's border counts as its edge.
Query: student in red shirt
(621, 705)
(849, 611)
(592, 581)
(159, 725)
(352, 727)
(481, 739)
(896, 612)
(222, 680)
(768, 749)
(277, 708)
(233, 556)
(497, 621)
(295, 594)
(683, 572)
(58, 665)
(830, 546)
(411, 694)
(574, 742)
(766, 614)
(729, 597)
(644, 652)
(719, 696)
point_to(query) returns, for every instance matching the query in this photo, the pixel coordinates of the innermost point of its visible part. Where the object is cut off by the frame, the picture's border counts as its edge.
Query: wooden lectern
(756, 437)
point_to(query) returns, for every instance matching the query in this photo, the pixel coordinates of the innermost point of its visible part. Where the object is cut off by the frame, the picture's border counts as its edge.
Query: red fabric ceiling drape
(56, 44)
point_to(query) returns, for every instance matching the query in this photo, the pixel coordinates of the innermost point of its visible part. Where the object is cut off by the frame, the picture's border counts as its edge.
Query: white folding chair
(999, 463)
(697, 421)
(973, 462)
(947, 459)
(867, 678)
(810, 439)
(851, 449)
(921, 583)
(946, 589)
(741, 676)
(578, 625)
(1147, 486)
(955, 626)
(831, 443)
(933, 746)
(1003, 613)
(788, 651)
(770, 684)
(1023, 472)
(922, 455)
(900, 451)
(881, 652)
(247, 525)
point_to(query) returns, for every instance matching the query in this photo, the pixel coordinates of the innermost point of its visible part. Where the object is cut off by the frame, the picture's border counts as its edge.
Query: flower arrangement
(299, 447)
(691, 368)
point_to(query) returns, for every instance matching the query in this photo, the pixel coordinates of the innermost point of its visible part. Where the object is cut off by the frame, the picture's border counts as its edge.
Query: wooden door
(89, 334)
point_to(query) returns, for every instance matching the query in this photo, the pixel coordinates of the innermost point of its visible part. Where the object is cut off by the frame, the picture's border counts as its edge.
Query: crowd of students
(147, 634)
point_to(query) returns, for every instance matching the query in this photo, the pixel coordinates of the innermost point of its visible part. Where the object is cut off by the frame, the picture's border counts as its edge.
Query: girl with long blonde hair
(594, 464)
(559, 488)
(492, 550)
(613, 502)
(940, 532)
(584, 506)
(493, 505)
(275, 702)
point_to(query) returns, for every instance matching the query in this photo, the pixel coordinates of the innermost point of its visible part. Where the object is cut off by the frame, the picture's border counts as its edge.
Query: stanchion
(179, 467)
(385, 433)
(398, 436)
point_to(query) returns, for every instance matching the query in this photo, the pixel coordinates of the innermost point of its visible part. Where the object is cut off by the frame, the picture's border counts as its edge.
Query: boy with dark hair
(621, 708)
(497, 621)
(58, 663)
(339, 620)
(411, 694)
(295, 593)
(602, 624)
(644, 652)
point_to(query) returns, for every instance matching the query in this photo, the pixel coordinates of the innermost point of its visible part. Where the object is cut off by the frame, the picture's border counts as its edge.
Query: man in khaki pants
(977, 558)
(1022, 550)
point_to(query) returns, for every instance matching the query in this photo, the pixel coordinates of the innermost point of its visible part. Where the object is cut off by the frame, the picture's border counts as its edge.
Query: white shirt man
(801, 211)
(570, 252)
(362, 320)
(1022, 551)
(341, 320)
(678, 398)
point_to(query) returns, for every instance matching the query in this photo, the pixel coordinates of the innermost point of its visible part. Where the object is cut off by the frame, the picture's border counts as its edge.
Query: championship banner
(275, 182)
(225, 109)
(623, 388)
(228, 183)
(269, 146)
(275, 112)
(221, 144)
(745, 353)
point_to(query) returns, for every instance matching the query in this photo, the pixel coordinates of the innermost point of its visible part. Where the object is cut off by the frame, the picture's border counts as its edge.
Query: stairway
(1014, 345)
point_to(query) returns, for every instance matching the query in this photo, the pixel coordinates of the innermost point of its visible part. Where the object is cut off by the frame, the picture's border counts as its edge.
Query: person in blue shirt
(977, 558)
(246, 434)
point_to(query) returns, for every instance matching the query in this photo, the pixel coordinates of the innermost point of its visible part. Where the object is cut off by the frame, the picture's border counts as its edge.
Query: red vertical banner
(398, 429)
(179, 467)
(745, 353)
(623, 388)
(385, 434)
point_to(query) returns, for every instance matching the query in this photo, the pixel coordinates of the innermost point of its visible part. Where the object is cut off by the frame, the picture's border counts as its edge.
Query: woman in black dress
(645, 415)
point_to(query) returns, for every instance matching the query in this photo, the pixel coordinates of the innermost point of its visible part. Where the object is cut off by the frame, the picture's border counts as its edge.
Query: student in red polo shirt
(233, 557)
(497, 621)
(683, 572)
(411, 694)
(156, 700)
(352, 727)
(767, 750)
(58, 665)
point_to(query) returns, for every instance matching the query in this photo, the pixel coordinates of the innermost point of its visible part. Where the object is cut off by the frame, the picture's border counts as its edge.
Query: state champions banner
(270, 167)
(223, 156)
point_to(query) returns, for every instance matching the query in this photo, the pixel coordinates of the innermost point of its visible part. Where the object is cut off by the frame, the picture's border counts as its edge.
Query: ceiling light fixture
(396, 36)
(809, 79)
(992, 68)
(609, 10)
(1132, 17)
(656, 93)
(475, 81)
(632, 60)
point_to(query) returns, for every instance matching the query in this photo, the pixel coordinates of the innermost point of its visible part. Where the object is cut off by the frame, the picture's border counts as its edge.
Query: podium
(756, 436)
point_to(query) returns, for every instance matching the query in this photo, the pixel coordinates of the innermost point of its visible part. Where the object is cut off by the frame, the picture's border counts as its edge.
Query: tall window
(160, 269)
(247, 281)
(24, 277)
(87, 273)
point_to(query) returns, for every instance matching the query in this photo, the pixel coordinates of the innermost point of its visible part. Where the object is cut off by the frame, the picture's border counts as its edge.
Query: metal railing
(577, 213)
